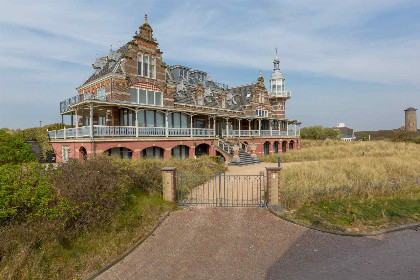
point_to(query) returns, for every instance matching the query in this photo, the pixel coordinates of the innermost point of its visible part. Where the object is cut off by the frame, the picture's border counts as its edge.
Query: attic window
(223, 102)
(199, 99)
(262, 113)
(261, 97)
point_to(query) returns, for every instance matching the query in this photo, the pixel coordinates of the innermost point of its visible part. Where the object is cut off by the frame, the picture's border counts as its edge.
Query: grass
(361, 215)
(313, 192)
(69, 259)
(313, 150)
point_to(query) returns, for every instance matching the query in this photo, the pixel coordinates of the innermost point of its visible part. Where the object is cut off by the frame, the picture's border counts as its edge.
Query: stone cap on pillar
(168, 168)
(273, 168)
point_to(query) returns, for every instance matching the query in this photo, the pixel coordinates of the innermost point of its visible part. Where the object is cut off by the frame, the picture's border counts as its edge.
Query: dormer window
(200, 99)
(261, 97)
(223, 102)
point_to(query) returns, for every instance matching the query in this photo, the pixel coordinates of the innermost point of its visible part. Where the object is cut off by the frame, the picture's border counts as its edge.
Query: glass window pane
(133, 96)
(142, 96)
(184, 121)
(145, 66)
(160, 119)
(150, 118)
(141, 119)
(152, 67)
(158, 98)
(139, 58)
(177, 120)
(150, 97)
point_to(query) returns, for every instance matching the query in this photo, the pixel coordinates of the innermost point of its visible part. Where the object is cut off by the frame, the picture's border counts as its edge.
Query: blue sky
(355, 61)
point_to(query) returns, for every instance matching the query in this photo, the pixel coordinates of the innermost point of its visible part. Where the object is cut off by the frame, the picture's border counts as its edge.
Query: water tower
(410, 119)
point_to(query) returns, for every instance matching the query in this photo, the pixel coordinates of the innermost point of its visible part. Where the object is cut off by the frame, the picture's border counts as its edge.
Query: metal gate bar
(221, 190)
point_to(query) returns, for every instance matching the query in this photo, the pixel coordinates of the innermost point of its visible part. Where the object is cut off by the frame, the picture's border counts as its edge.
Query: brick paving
(250, 243)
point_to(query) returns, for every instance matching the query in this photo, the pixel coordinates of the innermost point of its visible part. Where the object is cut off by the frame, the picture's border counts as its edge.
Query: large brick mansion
(135, 106)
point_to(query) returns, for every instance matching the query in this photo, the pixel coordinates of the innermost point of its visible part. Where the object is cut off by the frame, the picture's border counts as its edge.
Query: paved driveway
(250, 243)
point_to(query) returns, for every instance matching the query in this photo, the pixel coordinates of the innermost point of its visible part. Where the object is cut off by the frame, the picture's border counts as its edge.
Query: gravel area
(250, 243)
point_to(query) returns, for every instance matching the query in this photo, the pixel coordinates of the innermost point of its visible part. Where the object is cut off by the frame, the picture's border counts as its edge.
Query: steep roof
(109, 64)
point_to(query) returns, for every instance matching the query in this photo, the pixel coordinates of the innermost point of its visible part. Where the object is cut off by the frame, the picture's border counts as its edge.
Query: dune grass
(336, 186)
(314, 150)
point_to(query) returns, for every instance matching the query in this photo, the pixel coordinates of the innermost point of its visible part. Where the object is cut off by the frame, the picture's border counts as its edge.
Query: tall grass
(312, 150)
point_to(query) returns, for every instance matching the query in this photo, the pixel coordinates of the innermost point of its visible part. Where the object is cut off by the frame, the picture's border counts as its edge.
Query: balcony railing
(128, 131)
(286, 94)
(65, 105)
(235, 133)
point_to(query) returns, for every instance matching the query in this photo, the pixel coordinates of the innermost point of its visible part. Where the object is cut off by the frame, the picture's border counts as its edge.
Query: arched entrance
(202, 149)
(82, 154)
(276, 147)
(120, 152)
(180, 151)
(284, 146)
(244, 145)
(222, 158)
(291, 145)
(267, 148)
(152, 152)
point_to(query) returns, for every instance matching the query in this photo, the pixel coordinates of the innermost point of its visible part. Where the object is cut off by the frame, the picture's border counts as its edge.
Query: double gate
(221, 190)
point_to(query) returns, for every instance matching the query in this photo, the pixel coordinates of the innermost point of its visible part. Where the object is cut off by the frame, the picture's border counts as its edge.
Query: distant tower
(410, 119)
(277, 92)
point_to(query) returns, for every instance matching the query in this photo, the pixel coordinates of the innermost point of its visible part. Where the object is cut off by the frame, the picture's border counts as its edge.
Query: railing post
(77, 125)
(191, 125)
(169, 183)
(214, 126)
(273, 188)
(137, 123)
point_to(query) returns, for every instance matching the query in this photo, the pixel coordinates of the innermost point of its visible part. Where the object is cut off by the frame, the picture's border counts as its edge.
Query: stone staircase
(244, 157)
(36, 149)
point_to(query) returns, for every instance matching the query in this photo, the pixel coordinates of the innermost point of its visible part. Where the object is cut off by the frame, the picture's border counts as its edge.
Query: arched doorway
(82, 154)
(267, 148)
(276, 147)
(284, 146)
(291, 145)
(180, 151)
(202, 149)
(244, 145)
(120, 152)
(152, 152)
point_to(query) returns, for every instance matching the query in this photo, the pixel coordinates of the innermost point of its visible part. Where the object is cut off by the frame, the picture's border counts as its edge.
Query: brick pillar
(167, 153)
(273, 187)
(236, 158)
(191, 152)
(253, 149)
(169, 183)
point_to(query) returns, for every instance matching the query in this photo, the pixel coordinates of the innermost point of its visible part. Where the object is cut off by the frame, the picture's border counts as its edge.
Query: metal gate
(221, 190)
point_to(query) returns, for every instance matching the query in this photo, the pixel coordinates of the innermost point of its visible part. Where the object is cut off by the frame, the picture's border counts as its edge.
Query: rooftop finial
(145, 18)
(260, 73)
(111, 47)
(276, 49)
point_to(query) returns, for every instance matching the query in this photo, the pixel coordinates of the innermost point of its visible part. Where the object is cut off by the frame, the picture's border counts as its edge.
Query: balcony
(284, 94)
(128, 131)
(256, 133)
(65, 105)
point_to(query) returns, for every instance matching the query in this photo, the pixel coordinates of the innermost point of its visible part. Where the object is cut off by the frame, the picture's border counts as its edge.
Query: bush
(404, 136)
(13, 149)
(25, 193)
(87, 193)
(319, 133)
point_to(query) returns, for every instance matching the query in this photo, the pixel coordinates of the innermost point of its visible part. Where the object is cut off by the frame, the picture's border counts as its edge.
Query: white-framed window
(199, 99)
(223, 102)
(146, 66)
(262, 113)
(101, 93)
(65, 153)
(142, 96)
(261, 97)
(281, 106)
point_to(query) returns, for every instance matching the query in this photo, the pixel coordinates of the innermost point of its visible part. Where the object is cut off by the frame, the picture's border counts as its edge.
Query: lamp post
(40, 123)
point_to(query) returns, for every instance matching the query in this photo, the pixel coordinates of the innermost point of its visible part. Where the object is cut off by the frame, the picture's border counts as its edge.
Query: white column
(239, 127)
(166, 124)
(287, 128)
(249, 127)
(77, 125)
(64, 132)
(278, 124)
(214, 126)
(91, 120)
(227, 127)
(137, 123)
(191, 125)
(295, 129)
(259, 127)
(271, 129)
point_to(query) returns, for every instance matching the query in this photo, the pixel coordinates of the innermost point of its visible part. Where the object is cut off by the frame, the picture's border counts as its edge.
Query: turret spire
(145, 18)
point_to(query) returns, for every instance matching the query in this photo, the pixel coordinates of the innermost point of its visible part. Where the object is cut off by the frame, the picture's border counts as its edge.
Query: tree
(13, 149)
(319, 132)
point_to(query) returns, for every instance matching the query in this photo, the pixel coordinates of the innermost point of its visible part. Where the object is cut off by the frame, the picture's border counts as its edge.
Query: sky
(356, 62)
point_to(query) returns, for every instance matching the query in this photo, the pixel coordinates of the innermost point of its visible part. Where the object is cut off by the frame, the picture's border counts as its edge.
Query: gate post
(169, 183)
(273, 188)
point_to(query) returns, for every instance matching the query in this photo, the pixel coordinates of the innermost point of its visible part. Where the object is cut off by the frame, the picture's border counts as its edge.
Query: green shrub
(13, 149)
(25, 193)
(404, 136)
(319, 133)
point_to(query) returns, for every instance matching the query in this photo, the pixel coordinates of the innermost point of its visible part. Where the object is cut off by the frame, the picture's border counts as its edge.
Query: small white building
(346, 134)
